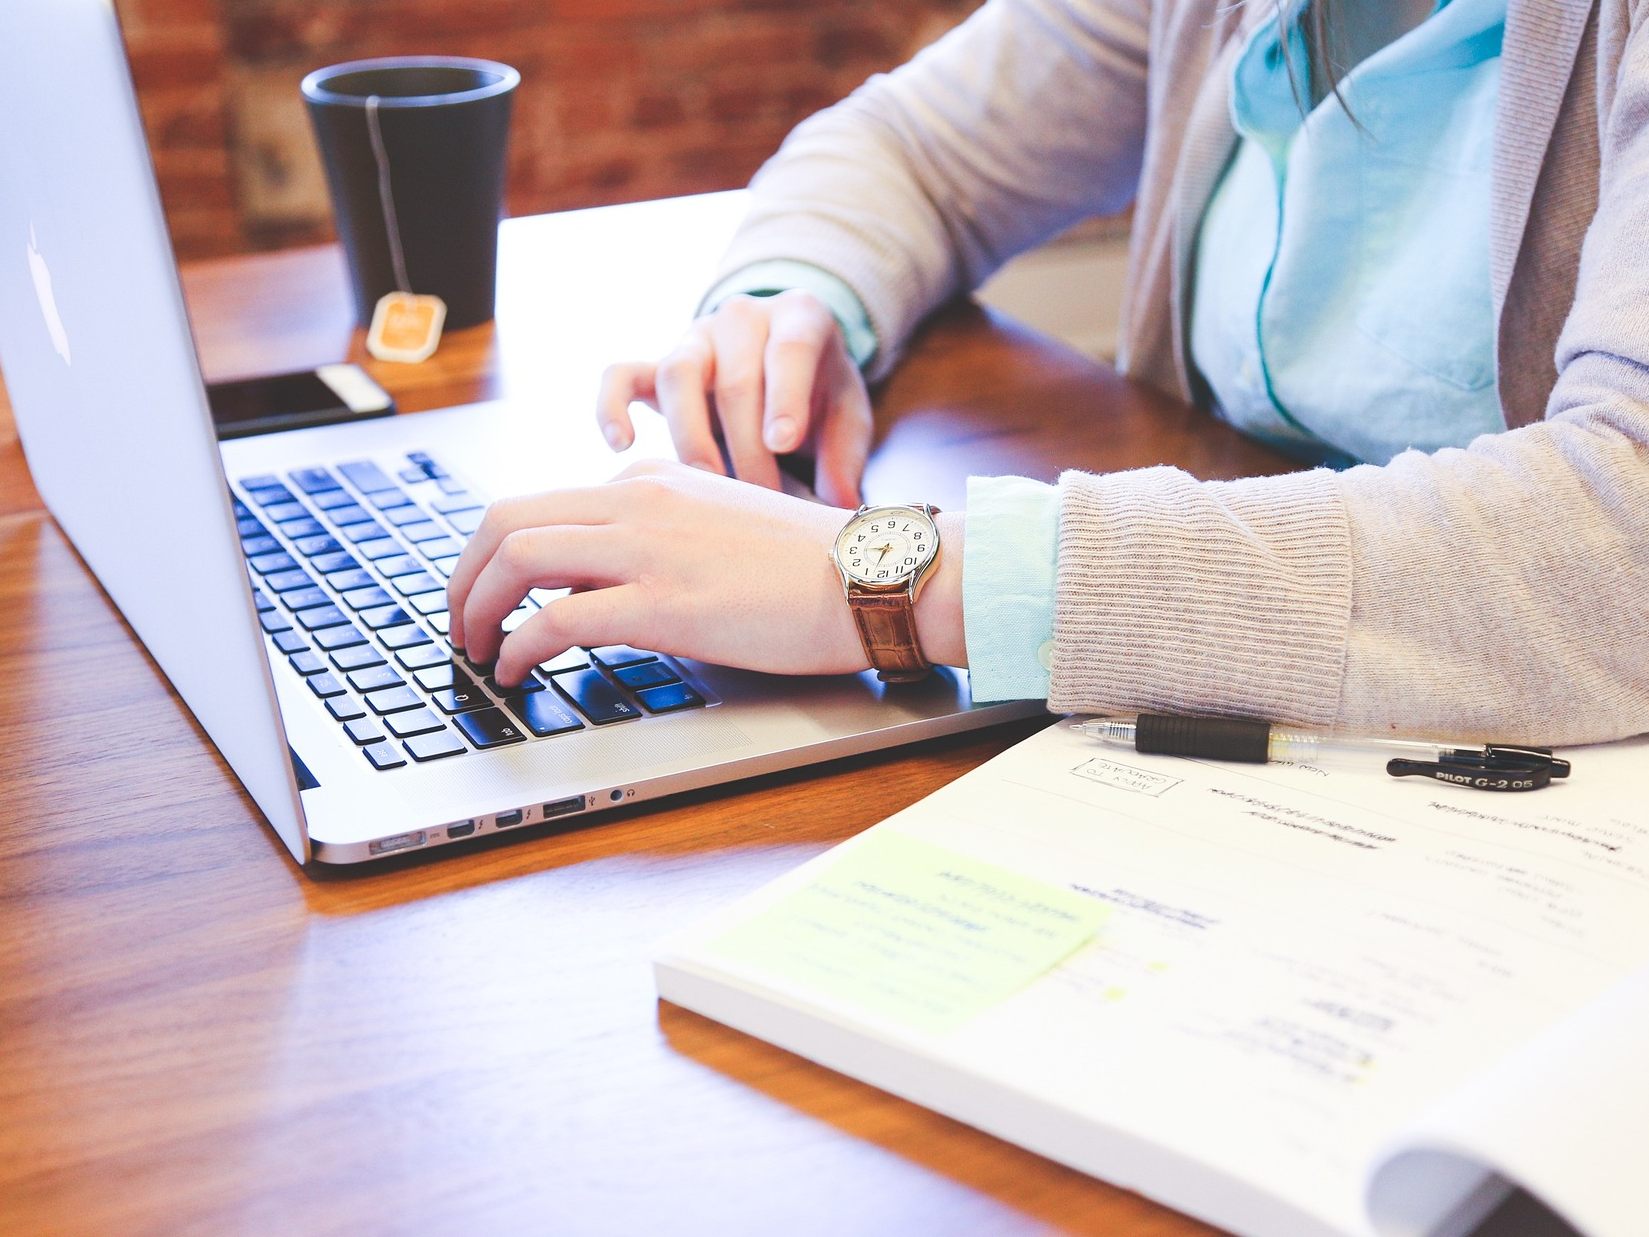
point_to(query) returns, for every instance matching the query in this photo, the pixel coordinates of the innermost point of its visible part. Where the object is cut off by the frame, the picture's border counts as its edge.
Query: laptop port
(401, 841)
(564, 807)
(505, 819)
(461, 830)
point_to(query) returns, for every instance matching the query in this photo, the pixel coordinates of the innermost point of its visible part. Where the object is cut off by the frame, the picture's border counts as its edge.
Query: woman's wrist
(939, 608)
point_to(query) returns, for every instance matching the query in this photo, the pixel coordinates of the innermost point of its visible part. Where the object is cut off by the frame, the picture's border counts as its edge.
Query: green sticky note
(911, 932)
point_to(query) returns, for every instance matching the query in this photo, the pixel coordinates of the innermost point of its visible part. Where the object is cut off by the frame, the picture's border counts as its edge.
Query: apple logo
(48, 302)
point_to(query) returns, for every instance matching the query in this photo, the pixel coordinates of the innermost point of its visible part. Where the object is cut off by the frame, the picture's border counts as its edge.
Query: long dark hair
(1315, 21)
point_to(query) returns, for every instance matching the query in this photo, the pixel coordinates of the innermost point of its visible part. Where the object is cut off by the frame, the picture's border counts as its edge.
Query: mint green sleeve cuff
(784, 274)
(1010, 546)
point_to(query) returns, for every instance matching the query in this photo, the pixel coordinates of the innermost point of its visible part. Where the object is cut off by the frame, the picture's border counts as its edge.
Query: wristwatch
(884, 556)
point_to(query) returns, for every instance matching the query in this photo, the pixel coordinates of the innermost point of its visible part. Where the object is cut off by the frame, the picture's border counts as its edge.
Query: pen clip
(1496, 766)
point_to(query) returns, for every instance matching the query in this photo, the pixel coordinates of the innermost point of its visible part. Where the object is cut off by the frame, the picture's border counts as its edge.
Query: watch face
(886, 545)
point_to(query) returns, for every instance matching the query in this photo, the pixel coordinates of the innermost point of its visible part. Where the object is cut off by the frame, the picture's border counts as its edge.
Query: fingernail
(614, 436)
(779, 430)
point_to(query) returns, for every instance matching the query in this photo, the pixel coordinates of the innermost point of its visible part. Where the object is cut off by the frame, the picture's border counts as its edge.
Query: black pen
(1487, 766)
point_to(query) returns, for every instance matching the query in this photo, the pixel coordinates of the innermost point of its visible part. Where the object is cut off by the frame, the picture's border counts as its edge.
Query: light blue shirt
(1341, 308)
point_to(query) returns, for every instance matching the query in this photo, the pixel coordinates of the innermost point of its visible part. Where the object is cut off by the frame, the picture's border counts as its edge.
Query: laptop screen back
(98, 360)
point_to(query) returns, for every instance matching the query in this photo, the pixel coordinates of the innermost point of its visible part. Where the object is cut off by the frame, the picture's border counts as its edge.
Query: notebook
(1285, 999)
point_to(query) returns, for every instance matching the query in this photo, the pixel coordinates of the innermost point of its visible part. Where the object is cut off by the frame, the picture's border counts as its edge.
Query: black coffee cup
(417, 177)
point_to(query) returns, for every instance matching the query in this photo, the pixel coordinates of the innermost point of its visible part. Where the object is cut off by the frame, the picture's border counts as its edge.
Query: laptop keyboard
(349, 570)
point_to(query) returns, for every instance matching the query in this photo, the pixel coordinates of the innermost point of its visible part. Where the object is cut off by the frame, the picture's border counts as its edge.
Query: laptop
(292, 586)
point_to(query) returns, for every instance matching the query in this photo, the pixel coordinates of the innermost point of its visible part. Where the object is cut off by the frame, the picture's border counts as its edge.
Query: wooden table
(198, 1036)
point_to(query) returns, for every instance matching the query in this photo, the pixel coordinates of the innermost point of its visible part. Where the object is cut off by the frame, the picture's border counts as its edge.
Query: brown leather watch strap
(887, 628)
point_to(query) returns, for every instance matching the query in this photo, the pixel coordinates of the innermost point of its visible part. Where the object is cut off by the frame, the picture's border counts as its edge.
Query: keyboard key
(311, 546)
(419, 582)
(615, 655)
(285, 511)
(434, 678)
(384, 756)
(544, 713)
(274, 622)
(321, 616)
(645, 674)
(251, 546)
(248, 526)
(444, 563)
(242, 511)
(489, 728)
(442, 622)
(400, 565)
(306, 598)
(365, 476)
(405, 725)
(369, 530)
(333, 500)
(286, 581)
(349, 579)
(313, 480)
(440, 548)
(326, 564)
(669, 699)
(401, 517)
(290, 642)
(388, 500)
(264, 564)
(342, 517)
(372, 551)
(448, 485)
(528, 684)
(307, 662)
(515, 618)
(384, 616)
(306, 527)
(325, 686)
(375, 677)
(357, 657)
(393, 700)
(334, 638)
(466, 522)
(422, 656)
(595, 697)
(261, 600)
(412, 474)
(463, 501)
(396, 638)
(433, 746)
(345, 708)
(270, 493)
(364, 598)
(423, 530)
(429, 603)
(365, 730)
(460, 697)
(263, 481)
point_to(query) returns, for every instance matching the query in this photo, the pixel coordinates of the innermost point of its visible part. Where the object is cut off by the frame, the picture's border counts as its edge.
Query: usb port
(505, 819)
(564, 807)
(461, 830)
(401, 841)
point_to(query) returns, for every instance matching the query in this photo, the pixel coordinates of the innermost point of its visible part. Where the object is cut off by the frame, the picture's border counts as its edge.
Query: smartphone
(320, 396)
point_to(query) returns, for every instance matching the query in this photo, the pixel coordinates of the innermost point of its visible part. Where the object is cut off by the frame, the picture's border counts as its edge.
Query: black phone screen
(273, 402)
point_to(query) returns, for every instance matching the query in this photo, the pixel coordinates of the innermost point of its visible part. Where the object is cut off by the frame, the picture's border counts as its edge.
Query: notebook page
(1295, 961)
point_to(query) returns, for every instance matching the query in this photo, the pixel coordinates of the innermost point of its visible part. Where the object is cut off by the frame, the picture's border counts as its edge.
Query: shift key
(595, 697)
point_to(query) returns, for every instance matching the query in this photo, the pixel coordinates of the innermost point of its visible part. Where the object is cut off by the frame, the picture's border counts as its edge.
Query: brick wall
(620, 99)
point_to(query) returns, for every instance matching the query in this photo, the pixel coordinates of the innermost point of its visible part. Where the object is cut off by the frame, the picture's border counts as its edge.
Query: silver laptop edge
(98, 357)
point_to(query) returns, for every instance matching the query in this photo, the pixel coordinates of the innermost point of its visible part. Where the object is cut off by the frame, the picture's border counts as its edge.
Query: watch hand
(884, 548)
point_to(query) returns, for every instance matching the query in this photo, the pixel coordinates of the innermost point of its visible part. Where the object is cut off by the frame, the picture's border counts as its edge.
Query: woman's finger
(577, 556)
(600, 616)
(738, 333)
(621, 385)
(797, 343)
(681, 385)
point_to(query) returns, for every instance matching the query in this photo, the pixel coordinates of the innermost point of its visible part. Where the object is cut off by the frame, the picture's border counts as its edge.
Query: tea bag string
(386, 196)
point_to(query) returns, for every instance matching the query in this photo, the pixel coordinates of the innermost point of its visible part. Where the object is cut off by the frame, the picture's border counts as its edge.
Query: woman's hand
(666, 558)
(769, 375)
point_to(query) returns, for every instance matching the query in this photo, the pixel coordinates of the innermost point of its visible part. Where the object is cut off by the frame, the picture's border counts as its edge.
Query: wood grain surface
(199, 1037)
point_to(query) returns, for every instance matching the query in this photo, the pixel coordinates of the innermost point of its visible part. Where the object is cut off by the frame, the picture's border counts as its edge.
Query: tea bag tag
(406, 327)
